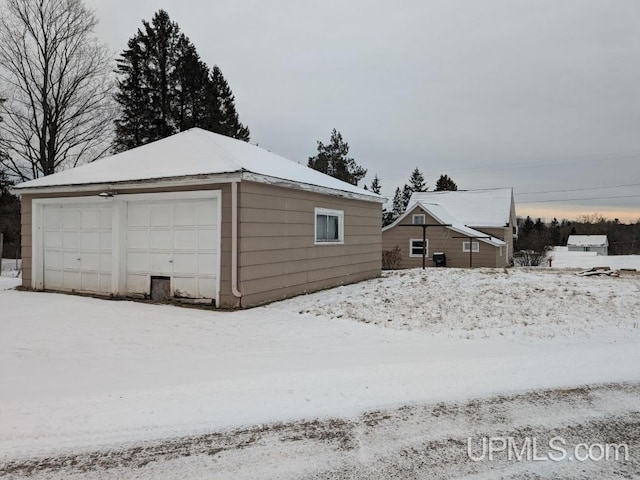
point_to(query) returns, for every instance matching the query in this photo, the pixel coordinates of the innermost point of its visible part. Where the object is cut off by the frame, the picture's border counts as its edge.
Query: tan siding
(278, 258)
(277, 255)
(441, 239)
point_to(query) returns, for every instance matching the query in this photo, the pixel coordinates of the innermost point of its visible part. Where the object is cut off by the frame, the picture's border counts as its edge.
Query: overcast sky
(531, 94)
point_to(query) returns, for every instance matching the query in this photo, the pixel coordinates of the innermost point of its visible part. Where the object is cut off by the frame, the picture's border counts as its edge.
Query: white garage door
(176, 239)
(77, 247)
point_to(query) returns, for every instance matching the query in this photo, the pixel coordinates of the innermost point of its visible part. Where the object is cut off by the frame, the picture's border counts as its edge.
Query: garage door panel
(71, 280)
(207, 287)
(137, 215)
(138, 262)
(89, 262)
(184, 214)
(89, 240)
(138, 239)
(207, 214)
(54, 279)
(52, 239)
(90, 282)
(70, 261)
(52, 259)
(89, 219)
(138, 283)
(52, 218)
(161, 239)
(70, 218)
(160, 263)
(105, 262)
(207, 263)
(160, 216)
(208, 239)
(105, 241)
(70, 240)
(184, 286)
(185, 263)
(185, 240)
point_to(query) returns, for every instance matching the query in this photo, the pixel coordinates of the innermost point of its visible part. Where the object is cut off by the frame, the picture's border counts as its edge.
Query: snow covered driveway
(80, 374)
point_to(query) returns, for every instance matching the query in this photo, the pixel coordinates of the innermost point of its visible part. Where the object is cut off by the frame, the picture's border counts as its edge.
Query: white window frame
(419, 255)
(418, 215)
(328, 212)
(475, 246)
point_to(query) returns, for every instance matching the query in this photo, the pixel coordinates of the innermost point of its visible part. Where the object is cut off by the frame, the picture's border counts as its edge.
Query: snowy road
(434, 441)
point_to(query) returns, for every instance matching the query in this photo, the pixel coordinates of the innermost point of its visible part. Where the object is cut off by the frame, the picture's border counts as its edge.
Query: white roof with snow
(475, 208)
(194, 152)
(587, 240)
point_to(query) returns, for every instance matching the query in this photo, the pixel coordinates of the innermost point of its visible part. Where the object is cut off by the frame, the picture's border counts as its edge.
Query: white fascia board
(134, 184)
(254, 177)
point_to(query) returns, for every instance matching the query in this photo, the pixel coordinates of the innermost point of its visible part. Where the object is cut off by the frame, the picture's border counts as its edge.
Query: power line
(580, 189)
(579, 199)
(631, 155)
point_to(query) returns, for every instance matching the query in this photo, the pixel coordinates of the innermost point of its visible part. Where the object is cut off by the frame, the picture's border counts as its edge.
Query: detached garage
(201, 217)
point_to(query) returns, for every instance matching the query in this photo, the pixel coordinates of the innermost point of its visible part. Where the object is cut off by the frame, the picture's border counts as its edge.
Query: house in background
(473, 228)
(198, 216)
(588, 243)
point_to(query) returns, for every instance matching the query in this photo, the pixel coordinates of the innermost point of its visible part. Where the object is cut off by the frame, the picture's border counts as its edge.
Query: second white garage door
(175, 238)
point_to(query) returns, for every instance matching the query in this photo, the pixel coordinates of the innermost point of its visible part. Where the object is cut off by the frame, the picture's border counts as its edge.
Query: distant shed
(589, 243)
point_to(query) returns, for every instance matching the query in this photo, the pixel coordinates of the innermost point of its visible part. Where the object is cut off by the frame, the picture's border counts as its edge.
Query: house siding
(277, 254)
(440, 240)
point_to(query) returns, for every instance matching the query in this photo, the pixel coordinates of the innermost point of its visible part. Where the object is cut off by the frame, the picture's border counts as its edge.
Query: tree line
(538, 236)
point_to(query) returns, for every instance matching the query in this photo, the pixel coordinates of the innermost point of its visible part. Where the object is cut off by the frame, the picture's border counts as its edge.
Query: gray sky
(540, 95)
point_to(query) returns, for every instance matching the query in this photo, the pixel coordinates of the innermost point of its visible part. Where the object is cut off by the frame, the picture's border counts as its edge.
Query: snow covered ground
(10, 267)
(81, 374)
(562, 258)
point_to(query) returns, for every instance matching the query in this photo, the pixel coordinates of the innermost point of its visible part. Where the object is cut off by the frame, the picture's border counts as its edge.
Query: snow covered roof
(476, 208)
(463, 210)
(194, 152)
(588, 240)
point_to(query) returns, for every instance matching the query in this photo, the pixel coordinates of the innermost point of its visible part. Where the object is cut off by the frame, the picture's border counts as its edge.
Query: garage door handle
(78, 258)
(170, 261)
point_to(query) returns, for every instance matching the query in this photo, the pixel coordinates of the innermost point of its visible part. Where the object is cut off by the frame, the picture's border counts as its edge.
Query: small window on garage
(418, 219)
(465, 246)
(417, 248)
(329, 226)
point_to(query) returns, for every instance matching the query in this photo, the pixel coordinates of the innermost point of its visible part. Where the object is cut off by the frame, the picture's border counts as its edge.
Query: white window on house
(329, 226)
(418, 247)
(418, 219)
(475, 246)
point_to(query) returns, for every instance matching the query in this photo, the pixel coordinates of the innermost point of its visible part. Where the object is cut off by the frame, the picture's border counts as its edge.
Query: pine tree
(332, 159)
(416, 181)
(164, 88)
(398, 205)
(445, 183)
(222, 116)
(375, 185)
(406, 196)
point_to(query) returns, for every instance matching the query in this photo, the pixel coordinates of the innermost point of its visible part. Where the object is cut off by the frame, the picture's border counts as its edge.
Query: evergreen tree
(416, 181)
(398, 205)
(332, 159)
(445, 183)
(222, 116)
(527, 226)
(164, 87)
(406, 196)
(375, 185)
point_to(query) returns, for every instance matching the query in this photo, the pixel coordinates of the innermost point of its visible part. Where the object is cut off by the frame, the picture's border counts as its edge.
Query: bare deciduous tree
(56, 78)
